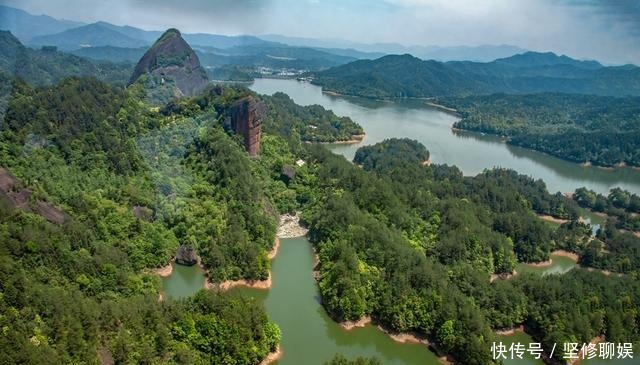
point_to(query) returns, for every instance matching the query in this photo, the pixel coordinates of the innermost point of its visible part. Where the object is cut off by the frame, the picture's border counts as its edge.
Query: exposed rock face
(247, 115)
(17, 196)
(171, 62)
(287, 173)
(144, 213)
(186, 255)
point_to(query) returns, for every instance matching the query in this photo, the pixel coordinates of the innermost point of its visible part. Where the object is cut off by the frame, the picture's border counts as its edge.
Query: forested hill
(407, 76)
(590, 129)
(413, 246)
(47, 66)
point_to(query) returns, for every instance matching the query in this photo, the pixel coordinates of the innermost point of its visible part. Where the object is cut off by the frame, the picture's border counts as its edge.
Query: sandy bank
(256, 284)
(563, 253)
(415, 338)
(356, 138)
(510, 331)
(427, 162)
(551, 219)
(272, 357)
(442, 107)
(349, 325)
(164, 271)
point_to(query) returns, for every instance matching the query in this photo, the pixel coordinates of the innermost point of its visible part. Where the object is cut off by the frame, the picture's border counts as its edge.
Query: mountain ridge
(397, 76)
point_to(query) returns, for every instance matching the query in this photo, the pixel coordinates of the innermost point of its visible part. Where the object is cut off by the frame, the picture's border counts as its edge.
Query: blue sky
(604, 30)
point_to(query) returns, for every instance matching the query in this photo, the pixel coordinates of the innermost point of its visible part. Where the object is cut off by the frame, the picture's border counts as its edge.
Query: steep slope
(47, 66)
(92, 35)
(172, 65)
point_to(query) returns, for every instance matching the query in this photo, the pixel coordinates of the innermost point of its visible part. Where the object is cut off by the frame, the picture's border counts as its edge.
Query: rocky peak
(172, 62)
(247, 115)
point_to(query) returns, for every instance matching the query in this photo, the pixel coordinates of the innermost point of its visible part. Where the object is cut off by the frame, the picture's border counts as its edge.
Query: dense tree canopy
(132, 184)
(411, 245)
(580, 128)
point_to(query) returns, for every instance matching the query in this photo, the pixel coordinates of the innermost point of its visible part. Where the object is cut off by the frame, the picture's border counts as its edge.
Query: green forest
(406, 76)
(132, 184)
(411, 245)
(385, 236)
(589, 129)
(620, 205)
(99, 188)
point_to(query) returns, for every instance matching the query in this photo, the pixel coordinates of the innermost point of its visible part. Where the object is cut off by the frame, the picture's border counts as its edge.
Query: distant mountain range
(48, 66)
(26, 26)
(37, 31)
(531, 72)
(483, 53)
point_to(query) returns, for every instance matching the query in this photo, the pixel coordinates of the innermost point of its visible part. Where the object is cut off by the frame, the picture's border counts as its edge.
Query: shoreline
(349, 325)
(399, 337)
(510, 331)
(587, 165)
(288, 227)
(164, 271)
(356, 138)
(272, 356)
(255, 284)
(427, 162)
(414, 338)
(443, 108)
(552, 219)
(562, 253)
(596, 340)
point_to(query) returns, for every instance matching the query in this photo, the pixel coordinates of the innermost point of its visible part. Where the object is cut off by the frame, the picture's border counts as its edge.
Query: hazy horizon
(585, 29)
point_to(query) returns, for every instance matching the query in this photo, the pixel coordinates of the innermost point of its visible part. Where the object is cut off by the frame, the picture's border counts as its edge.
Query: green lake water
(309, 336)
(184, 281)
(471, 152)
(559, 265)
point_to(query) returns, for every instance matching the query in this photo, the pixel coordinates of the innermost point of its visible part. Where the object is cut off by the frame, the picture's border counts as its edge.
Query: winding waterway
(471, 152)
(309, 336)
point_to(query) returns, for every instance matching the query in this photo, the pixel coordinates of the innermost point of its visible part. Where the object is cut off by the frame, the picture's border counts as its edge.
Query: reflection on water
(471, 152)
(309, 335)
(184, 281)
(559, 265)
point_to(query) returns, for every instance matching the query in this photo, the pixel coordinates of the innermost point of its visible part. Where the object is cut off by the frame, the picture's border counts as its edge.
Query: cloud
(603, 30)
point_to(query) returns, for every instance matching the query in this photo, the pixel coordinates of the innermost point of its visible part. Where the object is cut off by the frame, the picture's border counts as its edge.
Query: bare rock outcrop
(17, 196)
(186, 255)
(172, 64)
(247, 115)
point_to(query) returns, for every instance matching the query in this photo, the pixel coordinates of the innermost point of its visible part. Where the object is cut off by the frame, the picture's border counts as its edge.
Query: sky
(608, 31)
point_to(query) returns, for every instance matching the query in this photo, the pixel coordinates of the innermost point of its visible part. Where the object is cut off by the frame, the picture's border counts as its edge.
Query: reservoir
(471, 152)
(309, 335)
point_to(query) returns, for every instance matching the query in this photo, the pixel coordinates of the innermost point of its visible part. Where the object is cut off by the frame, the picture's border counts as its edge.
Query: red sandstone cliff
(247, 115)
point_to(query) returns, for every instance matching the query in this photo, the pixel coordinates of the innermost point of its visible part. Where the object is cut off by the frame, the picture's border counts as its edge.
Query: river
(309, 336)
(471, 152)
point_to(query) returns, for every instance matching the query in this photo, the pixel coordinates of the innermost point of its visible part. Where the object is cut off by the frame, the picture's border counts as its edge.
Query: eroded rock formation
(171, 64)
(17, 196)
(186, 255)
(247, 115)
